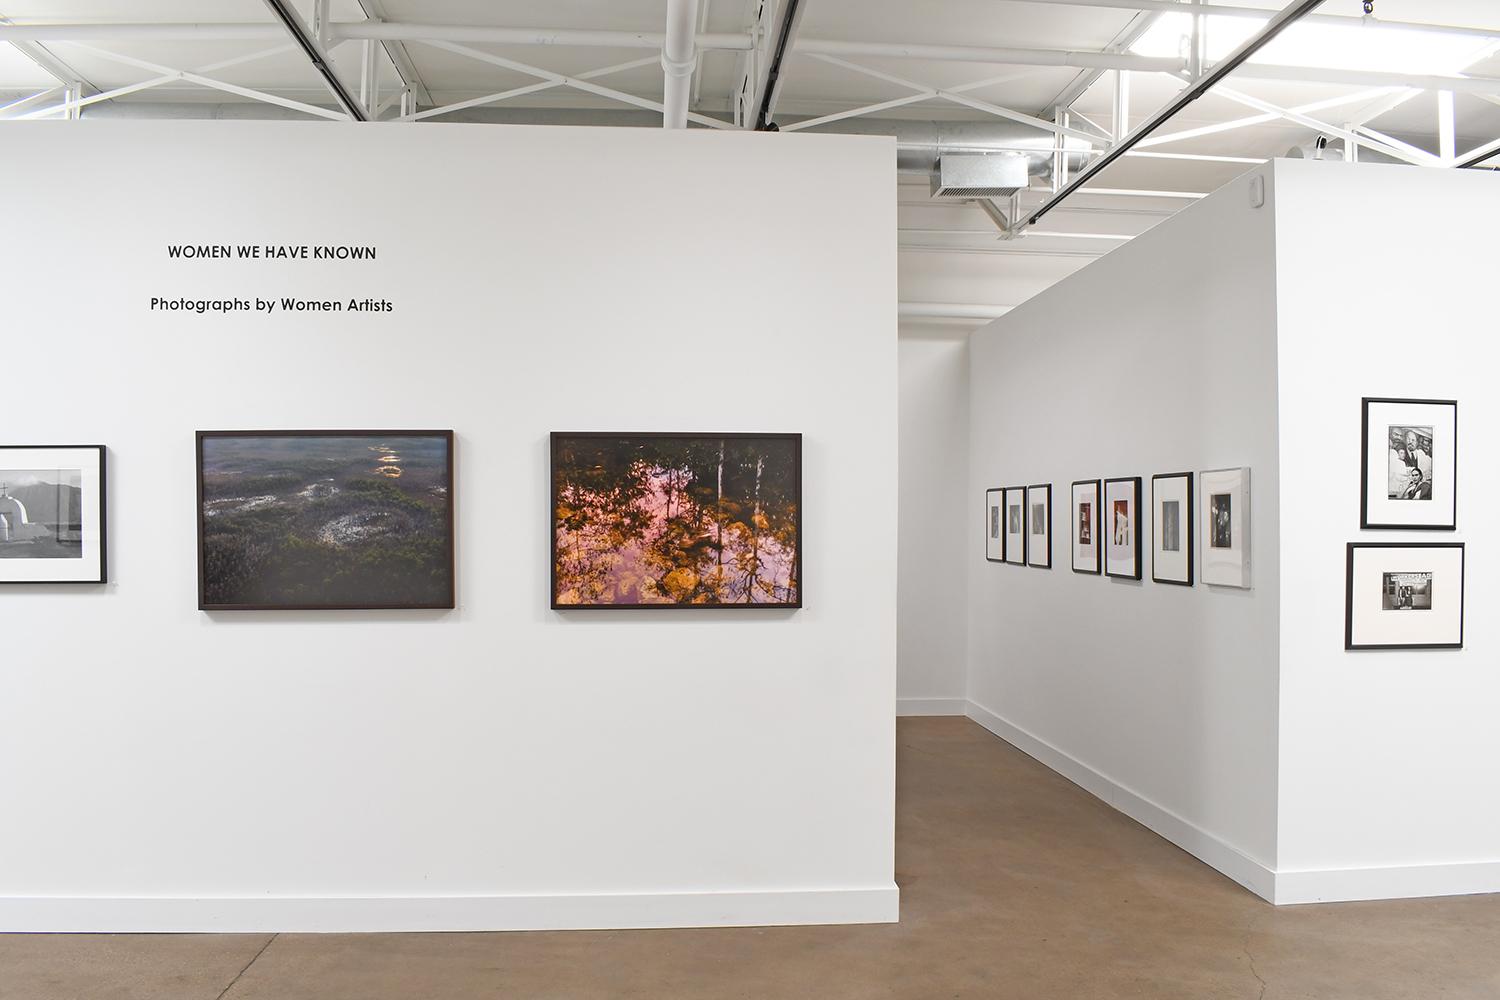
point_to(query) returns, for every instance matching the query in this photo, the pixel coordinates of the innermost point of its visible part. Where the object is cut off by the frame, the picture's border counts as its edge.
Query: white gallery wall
(1157, 358)
(1388, 759)
(500, 765)
(933, 602)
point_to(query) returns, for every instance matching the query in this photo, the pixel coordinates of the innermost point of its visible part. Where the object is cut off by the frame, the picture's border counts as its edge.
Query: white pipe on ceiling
(679, 58)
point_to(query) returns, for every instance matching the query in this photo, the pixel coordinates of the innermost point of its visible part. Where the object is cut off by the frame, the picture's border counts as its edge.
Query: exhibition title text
(268, 251)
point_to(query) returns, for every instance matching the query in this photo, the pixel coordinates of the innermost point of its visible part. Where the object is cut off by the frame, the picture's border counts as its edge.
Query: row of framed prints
(1104, 526)
(364, 519)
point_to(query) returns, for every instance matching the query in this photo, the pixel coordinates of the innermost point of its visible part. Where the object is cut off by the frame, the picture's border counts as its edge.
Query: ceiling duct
(980, 175)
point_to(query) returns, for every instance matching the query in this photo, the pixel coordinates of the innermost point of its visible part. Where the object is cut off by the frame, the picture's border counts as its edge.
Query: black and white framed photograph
(1039, 526)
(1088, 554)
(1404, 595)
(52, 517)
(1122, 509)
(1224, 507)
(1015, 525)
(994, 528)
(1409, 464)
(1172, 528)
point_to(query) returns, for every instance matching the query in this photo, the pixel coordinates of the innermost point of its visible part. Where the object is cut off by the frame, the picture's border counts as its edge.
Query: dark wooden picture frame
(1031, 560)
(1190, 527)
(988, 526)
(1350, 644)
(1016, 558)
(556, 442)
(102, 514)
(1135, 527)
(1364, 466)
(1098, 526)
(446, 602)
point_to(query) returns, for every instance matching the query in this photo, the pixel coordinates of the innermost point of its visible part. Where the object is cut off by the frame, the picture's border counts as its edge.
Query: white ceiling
(811, 87)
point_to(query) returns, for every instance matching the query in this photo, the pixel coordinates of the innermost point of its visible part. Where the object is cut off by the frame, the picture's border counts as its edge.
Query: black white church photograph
(749, 500)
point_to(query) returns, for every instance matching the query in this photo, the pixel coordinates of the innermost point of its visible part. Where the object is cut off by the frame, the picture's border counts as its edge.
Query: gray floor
(1015, 884)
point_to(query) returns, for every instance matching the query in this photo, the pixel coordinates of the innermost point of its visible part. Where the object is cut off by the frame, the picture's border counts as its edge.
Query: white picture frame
(1224, 517)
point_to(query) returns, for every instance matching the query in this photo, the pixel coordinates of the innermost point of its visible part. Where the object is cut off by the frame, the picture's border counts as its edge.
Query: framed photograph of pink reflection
(662, 520)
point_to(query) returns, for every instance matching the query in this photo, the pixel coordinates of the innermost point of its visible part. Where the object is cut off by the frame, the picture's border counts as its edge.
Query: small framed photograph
(1122, 507)
(52, 527)
(1225, 516)
(994, 532)
(1409, 464)
(1039, 526)
(1404, 595)
(1172, 528)
(1088, 554)
(1015, 525)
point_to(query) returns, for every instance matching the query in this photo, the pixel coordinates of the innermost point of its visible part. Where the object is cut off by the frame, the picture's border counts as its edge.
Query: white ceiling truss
(698, 62)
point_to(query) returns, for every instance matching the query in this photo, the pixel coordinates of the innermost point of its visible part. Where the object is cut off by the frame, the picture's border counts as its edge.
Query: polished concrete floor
(1014, 884)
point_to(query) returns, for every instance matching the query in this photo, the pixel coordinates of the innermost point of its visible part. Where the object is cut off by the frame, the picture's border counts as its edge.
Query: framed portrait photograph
(662, 520)
(1172, 528)
(994, 517)
(1088, 554)
(1224, 507)
(1015, 525)
(1409, 464)
(1039, 526)
(325, 520)
(1404, 595)
(52, 517)
(1122, 508)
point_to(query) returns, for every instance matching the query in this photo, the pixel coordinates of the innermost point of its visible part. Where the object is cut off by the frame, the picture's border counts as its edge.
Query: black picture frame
(103, 514)
(1190, 528)
(1098, 527)
(556, 438)
(447, 603)
(1353, 547)
(1016, 558)
(1364, 466)
(992, 491)
(1045, 489)
(1135, 484)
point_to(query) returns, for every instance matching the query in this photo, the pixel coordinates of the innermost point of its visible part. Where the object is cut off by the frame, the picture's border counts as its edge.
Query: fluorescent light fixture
(1330, 46)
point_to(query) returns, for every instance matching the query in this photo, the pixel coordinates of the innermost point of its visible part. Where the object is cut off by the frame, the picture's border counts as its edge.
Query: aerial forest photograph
(314, 520)
(676, 520)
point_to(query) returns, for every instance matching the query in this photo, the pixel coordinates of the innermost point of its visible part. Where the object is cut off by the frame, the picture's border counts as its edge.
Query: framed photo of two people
(1409, 463)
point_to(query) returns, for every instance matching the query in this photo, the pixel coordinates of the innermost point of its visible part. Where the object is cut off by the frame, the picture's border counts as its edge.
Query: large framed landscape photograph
(658, 520)
(52, 520)
(325, 520)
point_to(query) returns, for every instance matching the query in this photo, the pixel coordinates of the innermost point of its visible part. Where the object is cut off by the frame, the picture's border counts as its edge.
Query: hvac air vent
(979, 175)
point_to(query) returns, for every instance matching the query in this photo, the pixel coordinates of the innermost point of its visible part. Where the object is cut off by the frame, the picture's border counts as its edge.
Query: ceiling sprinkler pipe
(679, 57)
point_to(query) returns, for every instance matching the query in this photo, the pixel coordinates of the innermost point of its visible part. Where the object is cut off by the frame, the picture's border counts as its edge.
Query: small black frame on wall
(54, 522)
(994, 524)
(1127, 563)
(1086, 527)
(1404, 595)
(1408, 464)
(1169, 534)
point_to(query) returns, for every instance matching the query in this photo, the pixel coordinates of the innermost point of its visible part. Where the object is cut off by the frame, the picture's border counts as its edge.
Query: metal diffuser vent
(979, 175)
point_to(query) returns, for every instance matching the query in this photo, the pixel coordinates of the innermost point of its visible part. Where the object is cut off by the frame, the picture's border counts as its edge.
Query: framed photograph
(1122, 507)
(1088, 554)
(1015, 525)
(1172, 528)
(1409, 464)
(1225, 516)
(1039, 526)
(1404, 595)
(325, 520)
(676, 520)
(52, 524)
(994, 517)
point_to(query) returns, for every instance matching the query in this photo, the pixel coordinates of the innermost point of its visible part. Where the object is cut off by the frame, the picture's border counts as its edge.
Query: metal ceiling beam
(1292, 13)
(311, 48)
(50, 64)
(1138, 26)
(397, 54)
(769, 88)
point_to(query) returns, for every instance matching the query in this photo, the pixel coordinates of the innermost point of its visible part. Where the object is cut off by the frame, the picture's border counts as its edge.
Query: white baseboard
(879, 904)
(1342, 885)
(1204, 846)
(932, 706)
